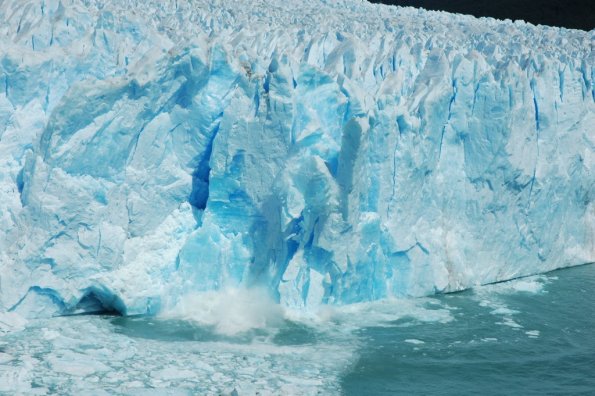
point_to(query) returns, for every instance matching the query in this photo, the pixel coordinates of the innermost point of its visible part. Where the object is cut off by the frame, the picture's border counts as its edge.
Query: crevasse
(330, 151)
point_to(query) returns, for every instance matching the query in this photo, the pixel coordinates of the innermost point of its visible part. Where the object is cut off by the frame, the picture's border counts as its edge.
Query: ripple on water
(440, 344)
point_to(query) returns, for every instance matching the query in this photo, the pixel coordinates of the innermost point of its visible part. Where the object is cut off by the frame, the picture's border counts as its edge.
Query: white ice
(330, 152)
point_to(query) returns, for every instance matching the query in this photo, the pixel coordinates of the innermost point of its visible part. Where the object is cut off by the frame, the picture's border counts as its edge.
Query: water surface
(531, 336)
(528, 336)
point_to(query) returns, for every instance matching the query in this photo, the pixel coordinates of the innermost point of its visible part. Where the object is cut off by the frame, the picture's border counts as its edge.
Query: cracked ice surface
(330, 151)
(93, 354)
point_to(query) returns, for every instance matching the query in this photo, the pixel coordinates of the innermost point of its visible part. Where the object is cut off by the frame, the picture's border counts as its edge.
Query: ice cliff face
(333, 151)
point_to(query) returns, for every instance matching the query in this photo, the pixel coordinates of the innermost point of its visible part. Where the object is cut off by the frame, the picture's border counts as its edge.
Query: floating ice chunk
(11, 322)
(414, 341)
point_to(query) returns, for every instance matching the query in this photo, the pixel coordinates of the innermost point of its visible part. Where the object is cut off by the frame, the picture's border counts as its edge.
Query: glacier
(329, 152)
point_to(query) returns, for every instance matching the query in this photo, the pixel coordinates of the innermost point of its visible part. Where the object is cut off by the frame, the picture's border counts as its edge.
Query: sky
(574, 14)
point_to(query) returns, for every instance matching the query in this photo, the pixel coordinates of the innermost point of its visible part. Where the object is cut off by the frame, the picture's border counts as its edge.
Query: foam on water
(527, 336)
(230, 311)
(530, 284)
(196, 348)
(209, 343)
(490, 296)
(207, 352)
(236, 311)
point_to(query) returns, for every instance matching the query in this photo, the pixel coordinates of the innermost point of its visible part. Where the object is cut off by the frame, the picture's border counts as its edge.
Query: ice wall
(331, 151)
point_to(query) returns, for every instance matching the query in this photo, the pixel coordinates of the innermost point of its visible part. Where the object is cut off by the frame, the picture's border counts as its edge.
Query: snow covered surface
(328, 151)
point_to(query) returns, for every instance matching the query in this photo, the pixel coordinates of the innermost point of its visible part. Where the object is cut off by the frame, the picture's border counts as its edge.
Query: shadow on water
(288, 333)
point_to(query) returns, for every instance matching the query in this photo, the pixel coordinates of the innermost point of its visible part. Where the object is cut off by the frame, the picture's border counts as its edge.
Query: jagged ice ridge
(330, 151)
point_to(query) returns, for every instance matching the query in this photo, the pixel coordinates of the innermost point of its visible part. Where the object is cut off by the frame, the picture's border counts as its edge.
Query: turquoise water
(528, 336)
(543, 344)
